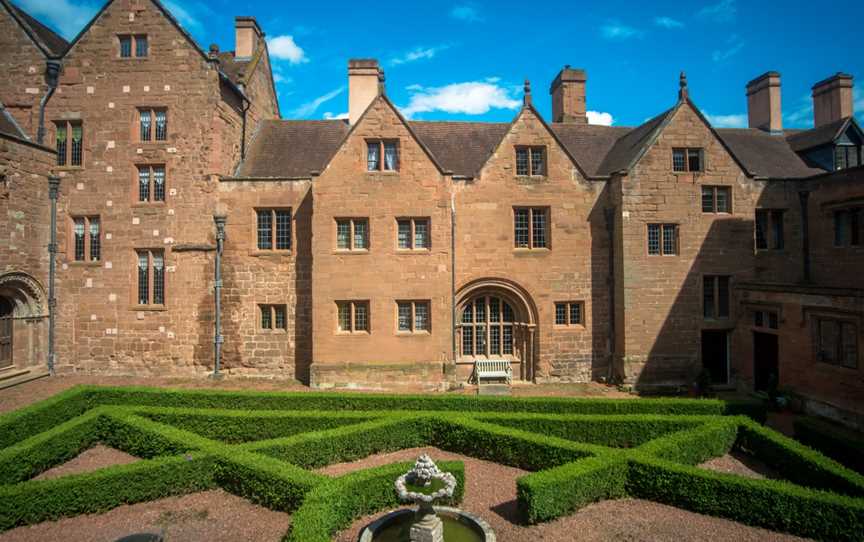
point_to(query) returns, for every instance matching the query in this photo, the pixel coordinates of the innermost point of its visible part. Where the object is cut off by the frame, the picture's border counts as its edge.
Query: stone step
(494, 389)
(20, 377)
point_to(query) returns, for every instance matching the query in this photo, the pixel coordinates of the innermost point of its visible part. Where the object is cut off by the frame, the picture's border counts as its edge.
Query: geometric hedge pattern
(263, 447)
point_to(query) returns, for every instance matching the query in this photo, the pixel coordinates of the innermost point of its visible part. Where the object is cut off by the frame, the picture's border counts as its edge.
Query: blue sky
(467, 60)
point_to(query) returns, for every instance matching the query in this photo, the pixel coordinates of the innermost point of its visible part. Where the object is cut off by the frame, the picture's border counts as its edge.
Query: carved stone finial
(527, 88)
(683, 93)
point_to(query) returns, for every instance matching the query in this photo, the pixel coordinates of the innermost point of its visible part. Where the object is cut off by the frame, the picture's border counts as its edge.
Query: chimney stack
(247, 35)
(764, 110)
(568, 96)
(832, 99)
(365, 83)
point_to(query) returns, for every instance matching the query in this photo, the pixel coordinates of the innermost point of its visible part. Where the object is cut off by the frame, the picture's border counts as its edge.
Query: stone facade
(641, 317)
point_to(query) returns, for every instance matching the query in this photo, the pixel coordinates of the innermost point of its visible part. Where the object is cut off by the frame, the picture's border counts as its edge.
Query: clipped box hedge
(262, 446)
(837, 442)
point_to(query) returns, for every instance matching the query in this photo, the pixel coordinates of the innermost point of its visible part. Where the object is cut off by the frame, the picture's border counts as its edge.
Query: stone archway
(496, 319)
(23, 321)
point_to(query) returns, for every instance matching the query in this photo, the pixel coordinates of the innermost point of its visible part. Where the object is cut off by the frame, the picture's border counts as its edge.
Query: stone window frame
(686, 166)
(268, 317)
(715, 190)
(382, 144)
(716, 291)
(135, 39)
(88, 245)
(67, 150)
(412, 324)
(151, 196)
(530, 160)
(412, 239)
(663, 228)
(847, 227)
(568, 321)
(273, 230)
(771, 223)
(532, 244)
(842, 318)
(151, 279)
(351, 248)
(352, 306)
(153, 132)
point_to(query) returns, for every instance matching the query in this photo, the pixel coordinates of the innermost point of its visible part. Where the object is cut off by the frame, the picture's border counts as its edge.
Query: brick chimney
(832, 99)
(247, 34)
(365, 83)
(764, 110)
(568, 96)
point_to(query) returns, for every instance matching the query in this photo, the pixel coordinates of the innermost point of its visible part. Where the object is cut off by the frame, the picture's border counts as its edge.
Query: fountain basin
(459, 526)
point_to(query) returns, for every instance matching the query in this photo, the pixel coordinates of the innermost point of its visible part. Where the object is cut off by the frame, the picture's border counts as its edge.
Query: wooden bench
(493, 368)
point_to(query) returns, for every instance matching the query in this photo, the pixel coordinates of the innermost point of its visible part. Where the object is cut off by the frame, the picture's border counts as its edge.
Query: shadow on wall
(602, 281)
(303, 292)
(697, 328)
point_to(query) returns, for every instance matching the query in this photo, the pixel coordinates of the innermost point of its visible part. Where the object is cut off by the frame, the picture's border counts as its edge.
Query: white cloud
(64, 15)
(601, 118)
(734, 45)
(466, 12)
(668, 22)
(471, 98)
(186, 19)
(738, 120)
(284, 48)
(721, 12)
(418, 53)
(802, 115)
(617, 31)
(330, 116)
(310, 107)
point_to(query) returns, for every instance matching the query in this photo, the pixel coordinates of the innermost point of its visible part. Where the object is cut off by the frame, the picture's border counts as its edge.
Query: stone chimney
(247, 35)
(365, 83)
(764, 111)
(832, 99)
(568, 96)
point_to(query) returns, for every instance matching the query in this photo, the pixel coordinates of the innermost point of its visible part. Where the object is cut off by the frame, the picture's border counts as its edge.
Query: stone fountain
(423, 485)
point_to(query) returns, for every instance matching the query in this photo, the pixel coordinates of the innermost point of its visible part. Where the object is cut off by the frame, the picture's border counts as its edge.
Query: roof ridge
(38, 31)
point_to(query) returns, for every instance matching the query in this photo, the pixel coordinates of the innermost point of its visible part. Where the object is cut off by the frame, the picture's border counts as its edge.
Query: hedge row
(552, 493)
(99, 491)
(332, 506)
(838, 443)
(252, 400)
(798, 463)
(21, 424)
(238, 426)
(696, 445)
(617, 431)
(770, 504)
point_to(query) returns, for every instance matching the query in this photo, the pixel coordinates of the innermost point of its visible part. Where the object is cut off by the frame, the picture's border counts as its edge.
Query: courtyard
(195, 462)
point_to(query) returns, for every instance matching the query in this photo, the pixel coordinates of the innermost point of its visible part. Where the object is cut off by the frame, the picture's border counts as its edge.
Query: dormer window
(846, 156)
(382, 155)
(530, 161)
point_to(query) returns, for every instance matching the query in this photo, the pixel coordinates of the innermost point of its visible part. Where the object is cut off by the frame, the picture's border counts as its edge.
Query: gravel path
(490, 492)
(210, 516)
(742, 464)
(95, 458)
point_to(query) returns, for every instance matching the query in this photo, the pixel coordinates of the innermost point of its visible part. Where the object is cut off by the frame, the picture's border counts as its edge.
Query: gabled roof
(461, 147)
(765, 155)
(589, 144)
(822, 135)
(631, 146)
(292, 148)
(233, 67)
(51, 43)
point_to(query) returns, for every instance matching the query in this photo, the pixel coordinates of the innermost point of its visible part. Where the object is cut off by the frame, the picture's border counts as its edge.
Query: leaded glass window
(352, 316)
(487, 327)
(530, 227)
(273, 229)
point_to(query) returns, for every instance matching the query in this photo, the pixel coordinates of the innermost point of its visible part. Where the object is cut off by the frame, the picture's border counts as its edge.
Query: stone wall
(23, 83)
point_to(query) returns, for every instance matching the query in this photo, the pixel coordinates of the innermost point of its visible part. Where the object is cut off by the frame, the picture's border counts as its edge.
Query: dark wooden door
(715, 355)
(5, 341)
(766, 366)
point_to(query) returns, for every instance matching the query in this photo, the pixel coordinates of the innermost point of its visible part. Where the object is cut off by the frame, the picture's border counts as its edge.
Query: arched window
(487, 327)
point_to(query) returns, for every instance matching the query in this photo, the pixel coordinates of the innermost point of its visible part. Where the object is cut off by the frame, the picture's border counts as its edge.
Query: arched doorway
(495, 320)
(23, 321)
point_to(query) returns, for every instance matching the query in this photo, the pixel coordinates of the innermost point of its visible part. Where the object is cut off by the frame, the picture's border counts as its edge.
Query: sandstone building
(378, 250)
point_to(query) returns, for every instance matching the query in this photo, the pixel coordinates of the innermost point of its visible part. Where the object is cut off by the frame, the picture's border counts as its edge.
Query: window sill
(69, 168)
(278, 253)
(532, 251)
(348, 252)
(413, 251)
(717, 213)
(382, 172)
(353, 333)
(277, 331)
(79, 263)
(414, 334)
(149, 308)
(663, 255)
(569, 327)
(469, 360)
